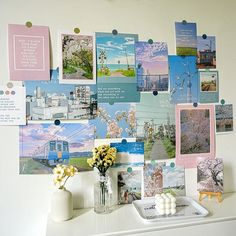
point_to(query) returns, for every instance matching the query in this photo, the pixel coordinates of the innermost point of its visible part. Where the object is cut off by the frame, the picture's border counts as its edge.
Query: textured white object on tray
(186, 208)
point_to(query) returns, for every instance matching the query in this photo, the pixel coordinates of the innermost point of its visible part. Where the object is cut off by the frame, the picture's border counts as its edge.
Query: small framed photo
(195, 134)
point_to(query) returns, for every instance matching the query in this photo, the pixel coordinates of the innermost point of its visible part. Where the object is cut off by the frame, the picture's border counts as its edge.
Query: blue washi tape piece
(57, 122)
(184, 22)
(204, 36)
(222, 101)
(124, 141)
(129, 169)
(10, 85)
(172, 164)
(28, 24)
(114, 32)
(111, 103)
(195, 104)
(155, 93)
(150, 41)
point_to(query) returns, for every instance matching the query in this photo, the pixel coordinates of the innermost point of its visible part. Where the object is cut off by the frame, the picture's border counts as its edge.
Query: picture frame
(195, 134)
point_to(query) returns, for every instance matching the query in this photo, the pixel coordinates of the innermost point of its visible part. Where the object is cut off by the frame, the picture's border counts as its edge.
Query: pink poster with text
(29, 57)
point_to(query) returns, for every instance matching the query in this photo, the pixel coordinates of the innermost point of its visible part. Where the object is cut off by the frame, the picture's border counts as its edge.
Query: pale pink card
(195, 134)
(29, 57)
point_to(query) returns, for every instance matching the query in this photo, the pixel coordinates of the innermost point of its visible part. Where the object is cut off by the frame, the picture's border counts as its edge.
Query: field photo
(195, 131)
(152, 66)
(43, 146)
(156, 126)
(208, 82)
(115, 55)
(224, 118)
(210, 176)
(186, 39)
(174, 180)
(129, 186)
(77, 59)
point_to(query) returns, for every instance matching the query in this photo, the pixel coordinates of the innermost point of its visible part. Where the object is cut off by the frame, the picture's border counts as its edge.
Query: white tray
(186, 208)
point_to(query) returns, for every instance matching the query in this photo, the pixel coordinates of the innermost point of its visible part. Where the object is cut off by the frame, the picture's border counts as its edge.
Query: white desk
(126, 221)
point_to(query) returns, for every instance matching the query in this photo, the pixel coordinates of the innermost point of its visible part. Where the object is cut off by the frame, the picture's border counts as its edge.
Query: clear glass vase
(103, 194)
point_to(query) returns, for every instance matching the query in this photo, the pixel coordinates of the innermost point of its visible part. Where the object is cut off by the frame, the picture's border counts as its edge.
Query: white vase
(61, 205)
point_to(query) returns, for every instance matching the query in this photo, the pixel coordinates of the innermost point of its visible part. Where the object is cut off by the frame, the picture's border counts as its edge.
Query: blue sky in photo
(52, 86)
(111, 110)
(132, 147)
(182, 70)
(206, 44)
(80, 136)
(186, 34)
(116, 47)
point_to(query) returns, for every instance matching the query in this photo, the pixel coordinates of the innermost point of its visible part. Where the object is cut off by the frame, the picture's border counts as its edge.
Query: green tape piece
(222, 101)
(77, 30)
(150, 41)
(28, 24)
(172, 164)
(129, 169)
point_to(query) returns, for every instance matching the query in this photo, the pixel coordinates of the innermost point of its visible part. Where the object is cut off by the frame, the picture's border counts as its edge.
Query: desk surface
(125, 220)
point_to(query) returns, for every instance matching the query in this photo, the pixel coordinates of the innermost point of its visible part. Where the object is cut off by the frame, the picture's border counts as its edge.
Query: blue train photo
(53, 152)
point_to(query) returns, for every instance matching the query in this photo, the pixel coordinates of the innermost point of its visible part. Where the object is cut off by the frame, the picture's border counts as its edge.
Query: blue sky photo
(184, 82)
(186, 34)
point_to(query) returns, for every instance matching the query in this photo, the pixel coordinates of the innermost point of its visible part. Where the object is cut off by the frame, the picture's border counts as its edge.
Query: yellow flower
(62, 173)
(59, 171)
(70, 170)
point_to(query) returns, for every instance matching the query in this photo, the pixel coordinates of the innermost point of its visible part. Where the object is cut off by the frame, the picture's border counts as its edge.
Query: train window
(59, 147)
(65, 146)
(52, 146)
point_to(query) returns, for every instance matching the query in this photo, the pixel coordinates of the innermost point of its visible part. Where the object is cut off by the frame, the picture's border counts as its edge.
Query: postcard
(206, 52)
(152, 66)
(12, 104)
(210, 176)
(129, 154)
(195, 134)
(152, 179)
(156, 126)
(184, 82)
(43, 146)
(49, 100)
(186, 39)
(29, 56)
(224, 118)
(129, 186)
(174, 180)
(116, 75)
(115, 121)
(77, 59)
(209, 87)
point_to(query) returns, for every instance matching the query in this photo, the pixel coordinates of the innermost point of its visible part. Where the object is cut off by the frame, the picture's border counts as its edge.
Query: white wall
(25, 199)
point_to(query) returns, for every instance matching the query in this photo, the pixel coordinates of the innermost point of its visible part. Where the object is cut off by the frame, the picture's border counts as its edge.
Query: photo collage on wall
(163, 109)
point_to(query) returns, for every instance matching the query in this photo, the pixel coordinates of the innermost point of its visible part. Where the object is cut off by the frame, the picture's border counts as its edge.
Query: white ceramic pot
(61, 205)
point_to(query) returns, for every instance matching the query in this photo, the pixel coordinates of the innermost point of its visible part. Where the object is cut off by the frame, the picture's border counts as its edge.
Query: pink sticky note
(29, 57)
